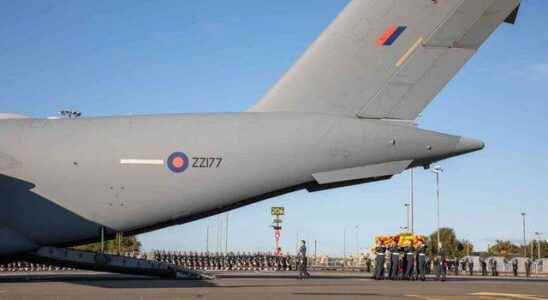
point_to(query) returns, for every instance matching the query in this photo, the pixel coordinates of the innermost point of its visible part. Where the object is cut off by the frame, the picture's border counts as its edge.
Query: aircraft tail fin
(387, 59)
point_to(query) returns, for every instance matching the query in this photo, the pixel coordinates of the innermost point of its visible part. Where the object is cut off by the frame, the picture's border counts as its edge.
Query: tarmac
(263, 286)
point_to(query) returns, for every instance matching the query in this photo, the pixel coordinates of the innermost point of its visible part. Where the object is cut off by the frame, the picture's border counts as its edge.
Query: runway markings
(510, 296)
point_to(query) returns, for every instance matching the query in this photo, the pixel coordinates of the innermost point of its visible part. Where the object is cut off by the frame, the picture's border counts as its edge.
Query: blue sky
(128, 57)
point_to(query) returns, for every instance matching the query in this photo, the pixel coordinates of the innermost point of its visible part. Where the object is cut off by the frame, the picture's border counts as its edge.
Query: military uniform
(303, 272)
(470, 266)
(483, 264)
(395, 264)
(515, 266)
(421, 264)
(379, 263)
(528, 264)
(410, 264)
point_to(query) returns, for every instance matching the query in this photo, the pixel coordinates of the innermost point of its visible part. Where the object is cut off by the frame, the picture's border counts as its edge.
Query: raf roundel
(178, 162)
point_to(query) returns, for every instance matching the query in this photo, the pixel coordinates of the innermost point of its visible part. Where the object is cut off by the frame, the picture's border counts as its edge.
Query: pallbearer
(395, 264)
(421, 263)
(379, 263)
(410, 263)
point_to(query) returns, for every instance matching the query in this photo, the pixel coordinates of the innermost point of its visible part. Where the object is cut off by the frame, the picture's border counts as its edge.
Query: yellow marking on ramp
(511, 296)
(409, 52)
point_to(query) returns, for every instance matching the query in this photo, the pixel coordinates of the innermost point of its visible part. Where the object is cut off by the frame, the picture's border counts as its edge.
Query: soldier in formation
(470, 266)
(515, 266)
(493, 265)
(483, 264)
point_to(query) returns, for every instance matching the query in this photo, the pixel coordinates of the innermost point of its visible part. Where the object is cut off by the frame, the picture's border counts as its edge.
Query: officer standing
(421, 263)
(515, 266)
(379, 263)
(301, 256)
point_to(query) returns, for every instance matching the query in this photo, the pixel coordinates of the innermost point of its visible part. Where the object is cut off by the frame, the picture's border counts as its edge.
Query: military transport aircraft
(344, 114)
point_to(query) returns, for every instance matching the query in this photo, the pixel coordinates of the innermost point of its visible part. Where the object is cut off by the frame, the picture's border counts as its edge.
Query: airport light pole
(226, 234)
(437, 170)
(407, 213)
(207, 239)
(344, 245)
(538, 234)
(357, 239)
(524, 238)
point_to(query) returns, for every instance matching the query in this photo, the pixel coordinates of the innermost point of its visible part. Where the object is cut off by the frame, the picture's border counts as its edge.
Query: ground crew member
(395, 265)
(421, 263)
(379, 263)
(303, 263)
(410, 264)
(515, 266)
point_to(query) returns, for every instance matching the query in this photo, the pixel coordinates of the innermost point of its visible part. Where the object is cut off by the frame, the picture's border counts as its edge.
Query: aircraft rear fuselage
(61, 180)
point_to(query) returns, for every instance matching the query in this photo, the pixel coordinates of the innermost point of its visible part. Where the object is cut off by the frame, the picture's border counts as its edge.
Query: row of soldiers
(24, 266)
(406, 263)
(493, 266)
(227, 262)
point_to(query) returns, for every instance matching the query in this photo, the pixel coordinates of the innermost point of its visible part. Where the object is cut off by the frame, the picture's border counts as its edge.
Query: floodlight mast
(437, 170)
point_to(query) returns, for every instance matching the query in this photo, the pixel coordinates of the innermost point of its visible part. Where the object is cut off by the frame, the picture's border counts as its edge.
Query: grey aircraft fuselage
(342, 115)
(64, 179)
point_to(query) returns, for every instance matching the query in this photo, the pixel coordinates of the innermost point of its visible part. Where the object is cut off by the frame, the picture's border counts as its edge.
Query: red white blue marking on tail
(390, 35)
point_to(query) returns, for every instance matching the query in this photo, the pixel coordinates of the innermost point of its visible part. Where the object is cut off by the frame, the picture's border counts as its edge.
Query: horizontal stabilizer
(365, 172)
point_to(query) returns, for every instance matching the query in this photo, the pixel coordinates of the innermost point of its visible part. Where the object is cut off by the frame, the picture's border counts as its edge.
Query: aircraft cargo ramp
(113, 263)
